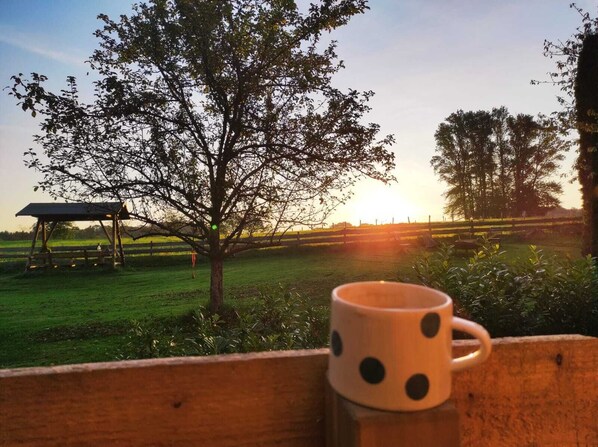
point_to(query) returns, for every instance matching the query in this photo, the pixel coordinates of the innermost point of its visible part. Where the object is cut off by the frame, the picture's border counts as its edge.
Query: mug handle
(483, 337)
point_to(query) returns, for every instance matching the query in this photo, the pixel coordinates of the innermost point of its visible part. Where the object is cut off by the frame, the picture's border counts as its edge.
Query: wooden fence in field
(532, 391)
(391, 233)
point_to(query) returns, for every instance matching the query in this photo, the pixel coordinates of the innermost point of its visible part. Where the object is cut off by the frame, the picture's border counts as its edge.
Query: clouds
(35, 45)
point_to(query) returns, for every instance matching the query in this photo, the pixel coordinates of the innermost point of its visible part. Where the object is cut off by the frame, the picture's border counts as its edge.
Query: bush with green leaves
(534, 295)
(276, 320)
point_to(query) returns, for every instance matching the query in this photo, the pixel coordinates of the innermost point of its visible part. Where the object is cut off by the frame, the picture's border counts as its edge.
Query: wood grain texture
(352, 425)
(237, 400)
(532, 391)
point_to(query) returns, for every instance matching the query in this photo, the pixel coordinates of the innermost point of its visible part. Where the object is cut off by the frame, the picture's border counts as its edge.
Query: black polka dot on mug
(372, 370)
(417, 386)
(336, 343)
(430, 324)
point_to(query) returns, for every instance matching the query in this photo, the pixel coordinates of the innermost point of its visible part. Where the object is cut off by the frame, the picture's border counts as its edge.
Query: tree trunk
(586, 100)
(216, 281)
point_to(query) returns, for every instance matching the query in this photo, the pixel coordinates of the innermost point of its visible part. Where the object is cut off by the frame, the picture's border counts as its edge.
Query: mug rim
(338, 299)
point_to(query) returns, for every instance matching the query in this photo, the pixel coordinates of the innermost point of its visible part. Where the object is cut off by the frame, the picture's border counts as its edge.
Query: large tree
(212, 118)
(577, 76)
(586, 101)
(498, 165)
(455, 162)
(503, 152)
(536, 150)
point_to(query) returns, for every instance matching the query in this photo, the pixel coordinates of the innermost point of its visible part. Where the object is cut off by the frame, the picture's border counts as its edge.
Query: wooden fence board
(533, 391)
(257, 399)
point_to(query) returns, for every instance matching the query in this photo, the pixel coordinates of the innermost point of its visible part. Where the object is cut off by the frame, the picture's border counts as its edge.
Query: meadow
(84, 315)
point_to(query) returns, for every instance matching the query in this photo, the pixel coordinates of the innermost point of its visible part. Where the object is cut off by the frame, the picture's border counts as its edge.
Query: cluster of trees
(63, 230)
(497, 164)
(15, 235)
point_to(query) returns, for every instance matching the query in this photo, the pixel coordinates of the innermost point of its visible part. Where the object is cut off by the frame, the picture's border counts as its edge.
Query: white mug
(390, 345)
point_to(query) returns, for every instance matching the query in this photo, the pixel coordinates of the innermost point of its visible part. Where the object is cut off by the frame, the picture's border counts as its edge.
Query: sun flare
(377, 204)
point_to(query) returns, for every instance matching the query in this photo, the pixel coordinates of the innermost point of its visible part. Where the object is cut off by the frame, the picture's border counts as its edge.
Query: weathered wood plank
(258, 399)
(533, 391)
(353, 425)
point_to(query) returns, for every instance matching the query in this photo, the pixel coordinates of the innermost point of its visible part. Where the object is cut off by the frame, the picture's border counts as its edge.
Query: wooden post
(121, 251)
(35, 234)
(52, 228)
(151, 248)
(44, 236)
(114, 241)
(106, 232)
(352, 425)
(86, 257)
(430, 223)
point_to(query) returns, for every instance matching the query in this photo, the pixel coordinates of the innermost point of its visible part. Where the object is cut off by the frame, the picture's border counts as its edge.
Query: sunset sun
(378, 204)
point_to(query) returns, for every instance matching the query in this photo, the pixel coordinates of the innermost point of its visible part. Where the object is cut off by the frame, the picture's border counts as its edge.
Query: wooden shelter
(52, 213)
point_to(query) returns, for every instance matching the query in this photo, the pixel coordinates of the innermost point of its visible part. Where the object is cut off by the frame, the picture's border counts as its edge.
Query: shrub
(536, 295)
(277, 320)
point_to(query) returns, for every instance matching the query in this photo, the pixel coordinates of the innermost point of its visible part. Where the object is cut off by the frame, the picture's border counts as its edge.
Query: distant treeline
(499, 165)
(15, 235)
(63, 230)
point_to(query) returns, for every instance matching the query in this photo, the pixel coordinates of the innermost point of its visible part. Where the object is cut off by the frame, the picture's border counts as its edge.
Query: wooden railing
(392, 233)
(533, 391)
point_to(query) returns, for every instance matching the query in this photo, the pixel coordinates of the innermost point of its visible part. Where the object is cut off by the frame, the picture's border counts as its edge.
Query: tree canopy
(586, 100)
(212, 119)
(498, 165)
(565, 55)
(577, 76)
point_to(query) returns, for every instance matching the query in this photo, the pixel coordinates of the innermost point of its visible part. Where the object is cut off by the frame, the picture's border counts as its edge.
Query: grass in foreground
(72, 316)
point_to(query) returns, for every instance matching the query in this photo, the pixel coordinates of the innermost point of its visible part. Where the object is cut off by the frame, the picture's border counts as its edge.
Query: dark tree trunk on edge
(586, 99)
(216, 281)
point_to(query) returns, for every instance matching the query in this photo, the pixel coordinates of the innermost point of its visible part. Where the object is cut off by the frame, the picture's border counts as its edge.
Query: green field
(91, 243)
(83, 315)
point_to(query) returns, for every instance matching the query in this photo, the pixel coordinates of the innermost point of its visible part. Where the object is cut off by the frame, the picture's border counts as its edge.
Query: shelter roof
(76, 211)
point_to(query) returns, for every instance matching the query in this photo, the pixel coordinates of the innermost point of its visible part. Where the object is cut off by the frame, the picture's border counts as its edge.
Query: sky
(423, 59)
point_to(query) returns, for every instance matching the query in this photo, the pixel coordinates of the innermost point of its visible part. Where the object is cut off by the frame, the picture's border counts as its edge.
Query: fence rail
(365, 234)
(532, 391)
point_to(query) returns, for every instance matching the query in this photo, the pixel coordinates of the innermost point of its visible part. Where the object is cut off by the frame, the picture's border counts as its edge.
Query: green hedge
(276, 320)
(534, 295)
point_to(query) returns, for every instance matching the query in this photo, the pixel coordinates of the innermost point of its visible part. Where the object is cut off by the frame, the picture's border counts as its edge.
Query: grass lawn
(91, 243)
(79, 315)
